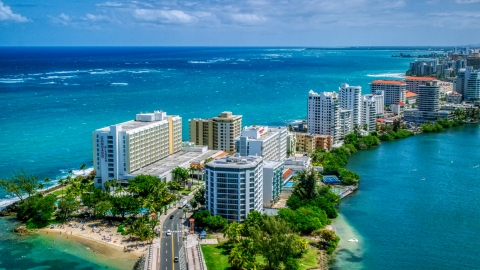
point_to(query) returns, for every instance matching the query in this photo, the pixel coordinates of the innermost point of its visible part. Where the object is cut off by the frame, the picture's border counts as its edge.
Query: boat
(415, 169)
(353, 240)
(423, 178)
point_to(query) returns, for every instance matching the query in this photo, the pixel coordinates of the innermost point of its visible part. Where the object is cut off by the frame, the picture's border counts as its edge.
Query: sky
(322, 23)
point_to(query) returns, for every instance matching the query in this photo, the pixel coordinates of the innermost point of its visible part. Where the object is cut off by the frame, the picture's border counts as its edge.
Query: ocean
(53, 98)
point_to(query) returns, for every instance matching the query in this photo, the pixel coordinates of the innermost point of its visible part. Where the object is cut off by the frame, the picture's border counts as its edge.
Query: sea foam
(387, 75)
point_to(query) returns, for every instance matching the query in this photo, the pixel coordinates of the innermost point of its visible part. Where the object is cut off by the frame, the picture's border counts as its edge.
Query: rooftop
(415, 78)
(180, 158)
(235, 162)
(409, 94)
(271, 163)
(393, 82)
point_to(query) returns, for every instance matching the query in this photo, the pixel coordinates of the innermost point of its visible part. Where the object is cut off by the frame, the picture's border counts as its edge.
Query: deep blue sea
(53, 98)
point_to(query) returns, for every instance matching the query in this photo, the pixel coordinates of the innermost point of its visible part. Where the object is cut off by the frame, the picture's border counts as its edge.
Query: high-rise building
(369, 112)
(350, 99)
(429, 97)
(268, 142)
(272, 181)
(460, 85)
(324, 114)
(234, 186)
(291, 143)
(394, 91)
(345, 122)
(473, 86)
(217, 133)
(379, 102)
(413, 82)
(124, 148)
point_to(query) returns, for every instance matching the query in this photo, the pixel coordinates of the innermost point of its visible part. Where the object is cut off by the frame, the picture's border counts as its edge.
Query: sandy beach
(99, 238)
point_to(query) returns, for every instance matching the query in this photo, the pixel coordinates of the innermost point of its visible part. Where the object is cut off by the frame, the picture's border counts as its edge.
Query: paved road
(170, 245)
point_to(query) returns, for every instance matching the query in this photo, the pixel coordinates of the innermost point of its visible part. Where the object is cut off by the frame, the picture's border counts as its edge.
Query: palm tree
(83, 167)
(61, 182)
(191, 170)
(185, 210)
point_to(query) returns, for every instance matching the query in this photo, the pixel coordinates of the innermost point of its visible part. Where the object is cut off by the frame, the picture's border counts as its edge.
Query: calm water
(403, 222)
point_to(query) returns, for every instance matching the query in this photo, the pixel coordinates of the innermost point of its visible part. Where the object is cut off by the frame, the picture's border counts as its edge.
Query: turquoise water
(53, 98)
(289, 184)
(404, 222)
(40, 251)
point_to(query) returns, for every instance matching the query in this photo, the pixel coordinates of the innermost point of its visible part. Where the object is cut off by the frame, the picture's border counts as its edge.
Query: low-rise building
(298, 163)
(234, 186)
(272, 181)
(453, 97)
(291, 144)
(411, 98)
(307, 143)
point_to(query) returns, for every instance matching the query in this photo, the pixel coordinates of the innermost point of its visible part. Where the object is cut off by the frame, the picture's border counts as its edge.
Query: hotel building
(473, 86)
(429, 97)
(394, 91)
(324, 114)
(122, 149)
(414, 82)
(234, 186)
(268, 142)
(217, 133)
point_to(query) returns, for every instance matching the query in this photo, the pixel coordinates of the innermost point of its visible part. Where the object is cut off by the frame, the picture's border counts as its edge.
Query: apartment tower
(324, 114)
(393, 91)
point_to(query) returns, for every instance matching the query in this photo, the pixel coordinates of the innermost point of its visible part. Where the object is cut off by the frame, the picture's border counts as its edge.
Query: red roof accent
(401, 103)
(409, 94)
(287, 173)
(222, 154)
(415, 78)
(387, 82)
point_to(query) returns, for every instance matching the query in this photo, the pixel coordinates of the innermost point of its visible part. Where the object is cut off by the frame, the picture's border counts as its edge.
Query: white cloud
(110, 4)
(62, 19)
(467, 1)
(6, 14)
(249, 19)
(162, 16)
(96, 18)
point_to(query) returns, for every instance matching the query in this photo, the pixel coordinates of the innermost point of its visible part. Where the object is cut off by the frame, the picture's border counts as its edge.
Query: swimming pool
(289, 184)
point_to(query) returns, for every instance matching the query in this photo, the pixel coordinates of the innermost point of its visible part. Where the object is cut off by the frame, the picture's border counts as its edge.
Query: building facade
(429, 97)
(473, 86)
(350, 99)
(324, 114)
(272, 181)
(307, 143)
(268, 142)
(393, 91)
(413, 82)
(453, 97)
(234, 186)
(124, 148)
(369, 112)
(291, 144)
(217, 133)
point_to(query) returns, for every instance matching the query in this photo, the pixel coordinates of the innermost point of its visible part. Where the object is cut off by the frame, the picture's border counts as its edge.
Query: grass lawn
(58, 192)
(216, 258)
(185, 191)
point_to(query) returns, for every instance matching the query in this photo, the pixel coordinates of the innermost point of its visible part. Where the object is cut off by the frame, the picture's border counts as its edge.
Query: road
(170, 245)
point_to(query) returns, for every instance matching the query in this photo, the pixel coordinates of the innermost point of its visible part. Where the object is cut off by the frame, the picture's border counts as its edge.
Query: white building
(345, 122)
(272, 181)
(473, 86)
(394, 91)
(324, 114)
(350, 99)
(369, 112)
(453, 97)
(291, 143)
(234, 186)
(461, 81)
(268, 142)
(124, 148)
(379, 102)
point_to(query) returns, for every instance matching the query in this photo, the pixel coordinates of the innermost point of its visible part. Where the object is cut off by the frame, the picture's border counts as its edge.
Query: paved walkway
(195, 258)
(152, 258)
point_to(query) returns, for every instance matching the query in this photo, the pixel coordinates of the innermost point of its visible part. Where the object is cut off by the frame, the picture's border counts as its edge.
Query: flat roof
(271, 163)
(169, 163)
(415, 78)
(133, 124)
(387, 82)
(235, 162)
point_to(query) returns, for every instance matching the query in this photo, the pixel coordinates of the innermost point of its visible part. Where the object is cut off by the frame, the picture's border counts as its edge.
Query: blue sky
(239, 23)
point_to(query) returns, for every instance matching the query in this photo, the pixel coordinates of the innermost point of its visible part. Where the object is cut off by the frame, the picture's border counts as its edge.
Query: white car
(169, 232)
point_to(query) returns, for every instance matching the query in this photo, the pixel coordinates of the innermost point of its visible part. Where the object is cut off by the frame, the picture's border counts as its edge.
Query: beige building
(122, 149)
(309, 142)
(217, 133)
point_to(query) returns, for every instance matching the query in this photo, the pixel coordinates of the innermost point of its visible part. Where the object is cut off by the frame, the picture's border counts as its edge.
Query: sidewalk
(195, 258)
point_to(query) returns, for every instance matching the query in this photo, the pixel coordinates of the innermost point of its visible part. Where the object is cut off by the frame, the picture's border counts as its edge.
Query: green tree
(101, 208)
(200, 195)
(306, 185)
(180, 175)
(242, 256)
(66, 205)
(21, 183)
(233, 232)
(194, 204)
(125, 204)
(83, 167)
(185, 210)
